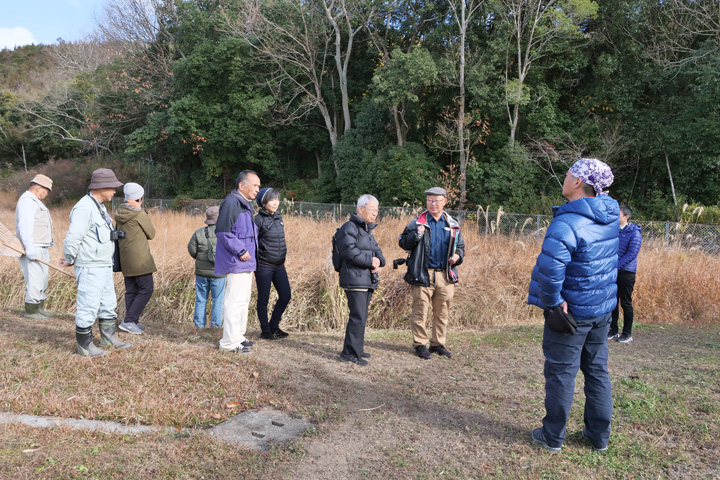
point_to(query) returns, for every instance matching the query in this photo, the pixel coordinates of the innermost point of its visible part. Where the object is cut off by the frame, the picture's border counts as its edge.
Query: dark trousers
(586, 350)
(138, 291)
(625, 284)
(265, 277)
(358, 303)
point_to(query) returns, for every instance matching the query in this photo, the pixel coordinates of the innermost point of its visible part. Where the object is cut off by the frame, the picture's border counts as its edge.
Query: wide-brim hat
(104, 178)
(211, 215)
(43, 181)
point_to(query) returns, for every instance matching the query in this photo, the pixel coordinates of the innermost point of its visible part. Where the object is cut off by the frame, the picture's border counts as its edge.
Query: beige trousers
(438, 296)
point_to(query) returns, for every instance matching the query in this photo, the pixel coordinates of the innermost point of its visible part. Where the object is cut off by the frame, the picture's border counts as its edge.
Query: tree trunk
(672, 185)
(461, 112)
(398, 127)
(22, 145)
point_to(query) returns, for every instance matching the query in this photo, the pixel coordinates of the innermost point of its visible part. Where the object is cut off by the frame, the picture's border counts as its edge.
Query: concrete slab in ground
(255, 428)
(92, 425)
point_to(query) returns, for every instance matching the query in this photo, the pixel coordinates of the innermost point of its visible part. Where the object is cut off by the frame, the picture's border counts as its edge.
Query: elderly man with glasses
(436, 247)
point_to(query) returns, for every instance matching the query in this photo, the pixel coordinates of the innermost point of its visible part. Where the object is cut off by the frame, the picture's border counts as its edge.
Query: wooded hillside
(328, 99)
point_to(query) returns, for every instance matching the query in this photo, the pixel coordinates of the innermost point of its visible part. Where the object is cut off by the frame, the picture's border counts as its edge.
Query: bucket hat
(104, 178)
(211, 215)
(43, 181)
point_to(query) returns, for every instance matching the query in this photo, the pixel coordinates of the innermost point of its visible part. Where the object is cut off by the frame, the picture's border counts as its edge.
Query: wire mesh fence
(517, 225)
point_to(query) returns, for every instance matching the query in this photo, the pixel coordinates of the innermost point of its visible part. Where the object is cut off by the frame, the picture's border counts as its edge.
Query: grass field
(469, 417)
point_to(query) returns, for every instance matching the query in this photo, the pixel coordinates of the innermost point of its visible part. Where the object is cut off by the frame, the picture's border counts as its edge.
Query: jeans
(625, 284)
(95, 296)
(358, 303)
(216, 288)
(265, 276)
(586, 350)
(138, 291)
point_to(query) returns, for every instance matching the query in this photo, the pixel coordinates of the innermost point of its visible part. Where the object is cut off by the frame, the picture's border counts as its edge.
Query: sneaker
(280, 334)
(440, 350)
(267, 336)
(365, 355)
(352, 358)
(538, 438)
(141, 326)
(625, 338)
(422, 352)
(130, 328)
(612, 334)
(238, 349)
(594, 447)
(247, 343)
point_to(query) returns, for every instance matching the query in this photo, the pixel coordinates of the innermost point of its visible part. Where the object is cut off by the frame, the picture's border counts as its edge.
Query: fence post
(667, 234)
(537, 228)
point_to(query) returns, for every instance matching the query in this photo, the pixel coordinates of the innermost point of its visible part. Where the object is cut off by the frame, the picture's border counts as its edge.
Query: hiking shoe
(141, 326)
(267, 336)
(422, 352)
(538, 438)
(365, 355)
(130, 328)
(440, 350)
(625, 338)
(280, 334)
(594, 447)
(247, 343)
(352, 358)
(612, 334)
(238, 349)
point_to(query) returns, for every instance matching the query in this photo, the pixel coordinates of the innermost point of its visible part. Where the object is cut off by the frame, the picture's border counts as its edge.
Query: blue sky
(23, 22)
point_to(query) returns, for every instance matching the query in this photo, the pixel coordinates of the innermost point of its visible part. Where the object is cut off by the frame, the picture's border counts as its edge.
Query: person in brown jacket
(136, 261)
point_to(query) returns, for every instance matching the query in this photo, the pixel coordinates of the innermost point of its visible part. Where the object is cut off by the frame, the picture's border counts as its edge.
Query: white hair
(365, 199)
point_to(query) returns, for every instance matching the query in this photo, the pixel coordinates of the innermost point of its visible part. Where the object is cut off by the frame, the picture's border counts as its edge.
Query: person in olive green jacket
(136, 261)
(202, 248)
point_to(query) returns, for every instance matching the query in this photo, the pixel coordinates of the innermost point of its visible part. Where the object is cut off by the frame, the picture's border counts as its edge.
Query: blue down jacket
(629, 247)
(578, 262)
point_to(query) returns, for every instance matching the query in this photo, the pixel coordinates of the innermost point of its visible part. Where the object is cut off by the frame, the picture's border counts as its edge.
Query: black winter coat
(357, 247)
(272, 248)
(419, 249)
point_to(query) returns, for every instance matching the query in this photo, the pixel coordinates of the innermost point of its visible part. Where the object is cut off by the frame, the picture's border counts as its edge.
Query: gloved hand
(30, 254)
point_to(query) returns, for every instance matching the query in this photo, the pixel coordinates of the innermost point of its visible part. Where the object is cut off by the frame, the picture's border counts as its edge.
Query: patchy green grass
(399, 418)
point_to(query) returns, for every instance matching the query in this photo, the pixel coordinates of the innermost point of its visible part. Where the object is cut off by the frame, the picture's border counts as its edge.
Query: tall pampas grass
(673, 285)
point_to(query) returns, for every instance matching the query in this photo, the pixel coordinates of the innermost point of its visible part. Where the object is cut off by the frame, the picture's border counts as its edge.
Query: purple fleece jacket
(236, 234)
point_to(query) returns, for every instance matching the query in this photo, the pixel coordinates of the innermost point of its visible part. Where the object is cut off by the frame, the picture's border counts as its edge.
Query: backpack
(211, 247)
(336, 258)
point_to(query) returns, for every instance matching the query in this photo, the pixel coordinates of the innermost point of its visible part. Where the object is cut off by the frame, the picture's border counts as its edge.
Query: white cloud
(15, 37)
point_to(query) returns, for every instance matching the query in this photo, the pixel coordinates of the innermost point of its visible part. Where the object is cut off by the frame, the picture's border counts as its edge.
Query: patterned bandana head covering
(593, 172)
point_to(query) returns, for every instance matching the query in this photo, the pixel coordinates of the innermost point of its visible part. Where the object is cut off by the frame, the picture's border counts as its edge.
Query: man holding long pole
(34, 228)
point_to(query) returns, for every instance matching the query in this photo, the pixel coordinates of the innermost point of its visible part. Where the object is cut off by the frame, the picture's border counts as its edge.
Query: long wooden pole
(22, 251)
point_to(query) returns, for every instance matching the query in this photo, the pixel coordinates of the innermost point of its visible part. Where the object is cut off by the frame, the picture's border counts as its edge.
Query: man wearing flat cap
(34, 228)
(89, 247)
(436, 248)
(576, 273)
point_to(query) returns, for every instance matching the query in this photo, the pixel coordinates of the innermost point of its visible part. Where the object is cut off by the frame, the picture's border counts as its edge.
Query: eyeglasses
(435, 202)
(374, 210)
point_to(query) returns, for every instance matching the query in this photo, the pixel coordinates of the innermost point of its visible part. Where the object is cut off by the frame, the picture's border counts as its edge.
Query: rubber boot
(107, 334)
(31, 311)
(85, 343)
(41, 310)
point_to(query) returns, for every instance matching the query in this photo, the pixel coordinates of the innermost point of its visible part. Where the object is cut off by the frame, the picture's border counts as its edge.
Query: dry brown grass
(672, 286)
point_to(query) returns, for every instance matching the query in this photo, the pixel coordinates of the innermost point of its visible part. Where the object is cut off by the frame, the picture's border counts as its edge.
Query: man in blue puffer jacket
(628, 249)
(576, 271)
